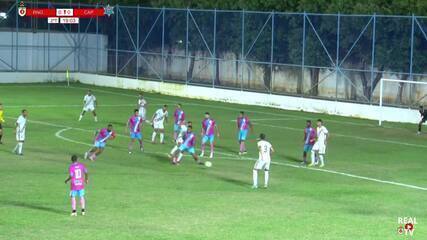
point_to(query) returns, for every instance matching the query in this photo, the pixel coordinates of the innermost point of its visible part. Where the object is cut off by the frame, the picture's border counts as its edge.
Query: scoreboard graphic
(64, 15)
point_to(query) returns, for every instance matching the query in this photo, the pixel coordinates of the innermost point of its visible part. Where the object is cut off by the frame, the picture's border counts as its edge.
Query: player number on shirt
(78, 173)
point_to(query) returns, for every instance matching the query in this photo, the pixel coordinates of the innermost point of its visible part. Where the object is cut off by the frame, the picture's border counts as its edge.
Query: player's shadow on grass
(33, 206)
(292, 158)
(232, 180)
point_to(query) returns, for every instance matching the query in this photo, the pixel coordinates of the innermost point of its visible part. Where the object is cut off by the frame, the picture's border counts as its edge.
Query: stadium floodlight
(396, 81)
(3, 15)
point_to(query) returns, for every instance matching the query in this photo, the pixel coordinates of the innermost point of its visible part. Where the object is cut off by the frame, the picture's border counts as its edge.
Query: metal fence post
(78, 50)
(186, 46)
(117, 38)
(97, 45)
(412, 47)
(374, 25)
(242, 57)
(303, 54)
(271, 53)
(16, 40)
(215, 63)
(163, 46)
(137, 41)
(337, 67)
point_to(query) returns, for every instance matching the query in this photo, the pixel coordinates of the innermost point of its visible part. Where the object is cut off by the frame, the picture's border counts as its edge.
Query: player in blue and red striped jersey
(243, 126)
(179, 117)
(309, 140)
(134, 125)
(186, 146)
(101, 138)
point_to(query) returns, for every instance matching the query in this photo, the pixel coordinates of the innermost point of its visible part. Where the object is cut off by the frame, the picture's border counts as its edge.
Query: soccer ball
(208, 164)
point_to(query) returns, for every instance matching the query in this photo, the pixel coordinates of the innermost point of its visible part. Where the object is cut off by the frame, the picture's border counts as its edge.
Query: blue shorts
(136, 136)
(78, 193)
(176, 127)
(185, 148)
(307, 147)
(242, 135)
(100, 144)
(209, 138)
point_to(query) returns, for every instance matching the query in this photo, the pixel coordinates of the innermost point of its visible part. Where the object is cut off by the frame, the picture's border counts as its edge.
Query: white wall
(261, 99)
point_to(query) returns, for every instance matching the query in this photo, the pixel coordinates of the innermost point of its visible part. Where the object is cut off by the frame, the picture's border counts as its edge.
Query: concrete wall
(42, 51)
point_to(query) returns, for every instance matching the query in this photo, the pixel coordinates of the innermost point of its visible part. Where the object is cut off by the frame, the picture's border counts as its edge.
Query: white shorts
(20, 136)
(321, 147)
(158, 125)
(89, 108)
(262, 165)
(142, 113)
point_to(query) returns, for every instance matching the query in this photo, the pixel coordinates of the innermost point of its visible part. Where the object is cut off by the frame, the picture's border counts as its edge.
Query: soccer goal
(401, 92)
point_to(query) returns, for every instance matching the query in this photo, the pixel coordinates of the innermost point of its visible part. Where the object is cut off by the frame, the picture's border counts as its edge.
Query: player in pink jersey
(208, 133)
(79, 177)
(134, 125)
(101, 138)
(179, 119)
(243, 126)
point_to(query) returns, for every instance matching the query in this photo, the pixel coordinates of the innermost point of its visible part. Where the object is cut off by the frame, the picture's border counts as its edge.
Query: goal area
(401, 93)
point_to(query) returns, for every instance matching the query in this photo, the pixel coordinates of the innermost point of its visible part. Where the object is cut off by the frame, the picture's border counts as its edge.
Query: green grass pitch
(142, 196)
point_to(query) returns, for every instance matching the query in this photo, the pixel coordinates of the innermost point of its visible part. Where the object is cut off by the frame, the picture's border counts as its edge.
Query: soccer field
(373, 175)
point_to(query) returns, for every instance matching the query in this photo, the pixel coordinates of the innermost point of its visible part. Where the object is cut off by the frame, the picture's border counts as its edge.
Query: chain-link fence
(330, 56)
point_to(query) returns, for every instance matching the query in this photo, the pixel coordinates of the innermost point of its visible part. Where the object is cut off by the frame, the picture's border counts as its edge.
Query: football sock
(20, 145)
(179, 157)
(1, 135)
(130, 146)
(174, 135)
(73, 203)
(162, 137)
(96, 118)
(266, 176)
(321, 159)
(203, 147)
(419, 127)
(82, 203)
(80, 118)
(153, 137)
(16, 148)
(313, 157)
(255, 177)
(242, 147)
(174, 149)
(212, 148)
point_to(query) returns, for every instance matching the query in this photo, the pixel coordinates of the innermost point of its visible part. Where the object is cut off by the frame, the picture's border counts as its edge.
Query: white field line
(230, 108)
(344, 122)
(333, 172)
(67, 105)
(270, 119)
(234, 157)
(350, 136)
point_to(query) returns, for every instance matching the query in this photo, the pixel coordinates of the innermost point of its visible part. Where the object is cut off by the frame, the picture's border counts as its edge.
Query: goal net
(401, 93)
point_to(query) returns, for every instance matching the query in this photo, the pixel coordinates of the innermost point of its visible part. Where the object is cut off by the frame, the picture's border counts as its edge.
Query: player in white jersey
(158, 119)
(21, 124)
(142, 106)
(89, 105)
(319, 149)
(180, 137)
(263, 163)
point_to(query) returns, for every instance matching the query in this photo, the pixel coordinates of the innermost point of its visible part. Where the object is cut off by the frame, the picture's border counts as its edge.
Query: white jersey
(21, 124)
(89, 101)
(322, 134)
(264, 150)
(159, 116)
(142, 107)
(182, 131)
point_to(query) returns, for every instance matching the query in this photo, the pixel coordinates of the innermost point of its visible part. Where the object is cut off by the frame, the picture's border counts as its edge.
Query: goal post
(382, 95)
